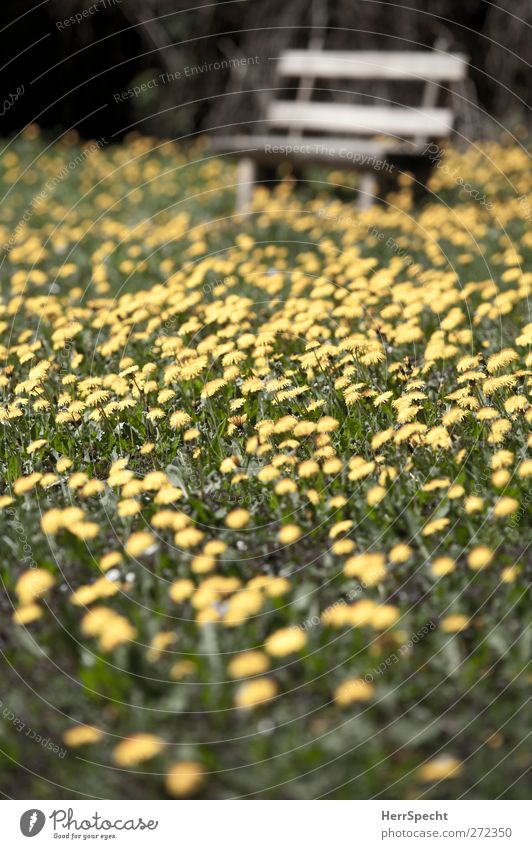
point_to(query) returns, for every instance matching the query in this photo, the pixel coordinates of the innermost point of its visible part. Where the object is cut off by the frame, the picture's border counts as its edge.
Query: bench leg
(245, 181)
(367, 191)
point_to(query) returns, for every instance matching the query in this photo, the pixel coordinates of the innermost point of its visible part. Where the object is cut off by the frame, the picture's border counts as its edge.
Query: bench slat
(251, 143)
(360, 120)
(350, 153)
(374, 65)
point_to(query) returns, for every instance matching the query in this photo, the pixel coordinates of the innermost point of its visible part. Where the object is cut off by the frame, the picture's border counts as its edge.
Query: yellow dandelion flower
(360, 469)
(381, 438)
(251, 385)
(116, 631)
(212, 387)
(248, 663)
(501, 459)
(154, 414)
(343, 546)
(181, 590)
(336, 615)
(498, 431)
(505, 506)
(95, 399)
(438, 437)
(509, 574)
(33, 584)
(188, 538)
(137, 749)
(184, 778)
(82, 735)
(237, 519)
(400, 553)
(77, 480)
(181, 669)
(501, 478)
(357, 565)
(256, 693)
(500, 360)
(289, 534)
(375, 495)
(27, 613)
(333, 466)
(102, 588)
(327, 424)
(168, 494)
(139, 543)
(52, 521)
(241, 606)
(382, 398)
(154, 481)
(486, 414)
(285, 641)
(202, 563)
(473, 504)
(443, 566)
(268, 473)
(435, 526)
(479, 557)
(516, 404)
(454, 623)
(493, 384)
(26, 484)
(353, 690)
(128, 507)
(35, 445)
(109, 560)
(179, 419)
(308, 468)
(383, 615)
(440, 769)
(454, 416)
(119, 477)
(214, 547)
(93, 622)
(285, 486)
(228, 465)
(276, 587)
(340, 528)
(165, 395)
(92, 487)
(205, 597)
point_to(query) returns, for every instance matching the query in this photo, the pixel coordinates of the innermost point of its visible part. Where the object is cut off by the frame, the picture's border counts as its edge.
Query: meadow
(265, 504)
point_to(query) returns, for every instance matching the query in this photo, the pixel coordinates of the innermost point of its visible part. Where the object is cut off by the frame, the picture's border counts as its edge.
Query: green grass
(134, 258)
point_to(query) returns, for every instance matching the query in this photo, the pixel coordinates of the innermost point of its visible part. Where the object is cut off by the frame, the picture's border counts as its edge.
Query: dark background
(71, 73)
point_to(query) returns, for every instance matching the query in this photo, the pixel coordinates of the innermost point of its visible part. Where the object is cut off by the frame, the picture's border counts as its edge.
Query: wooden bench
(376, 138)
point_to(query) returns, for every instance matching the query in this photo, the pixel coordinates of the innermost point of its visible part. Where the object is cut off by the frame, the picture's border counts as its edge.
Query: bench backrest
(430, 69)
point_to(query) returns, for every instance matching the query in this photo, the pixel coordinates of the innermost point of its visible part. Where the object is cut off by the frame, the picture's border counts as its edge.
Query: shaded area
(106, 66)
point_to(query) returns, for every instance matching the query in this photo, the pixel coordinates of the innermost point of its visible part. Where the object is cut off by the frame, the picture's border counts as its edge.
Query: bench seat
(398, 122)
(356, 154)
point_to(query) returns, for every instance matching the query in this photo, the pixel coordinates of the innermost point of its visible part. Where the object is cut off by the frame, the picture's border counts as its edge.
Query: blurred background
(109, 67)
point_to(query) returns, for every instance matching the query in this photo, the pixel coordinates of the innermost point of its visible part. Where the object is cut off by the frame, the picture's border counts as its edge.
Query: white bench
(369, 137)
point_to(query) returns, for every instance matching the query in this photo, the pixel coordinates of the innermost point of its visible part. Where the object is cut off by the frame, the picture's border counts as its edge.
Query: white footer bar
(266, 824)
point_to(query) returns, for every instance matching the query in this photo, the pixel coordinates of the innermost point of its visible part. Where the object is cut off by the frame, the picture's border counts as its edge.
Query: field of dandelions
(265, 506)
